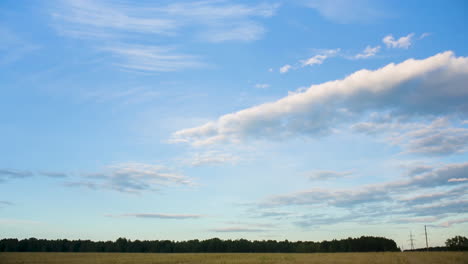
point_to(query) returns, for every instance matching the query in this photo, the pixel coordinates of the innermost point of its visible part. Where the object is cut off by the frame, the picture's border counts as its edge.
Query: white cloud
(320, 58)
(403, 42)
(368, 52)
(317, 59)
(458, 180)
(285, 68)
(453, 222)
(428, 87)
(425, 35)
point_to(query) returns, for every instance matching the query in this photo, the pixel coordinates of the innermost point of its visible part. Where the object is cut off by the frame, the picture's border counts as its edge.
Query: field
(215, 258)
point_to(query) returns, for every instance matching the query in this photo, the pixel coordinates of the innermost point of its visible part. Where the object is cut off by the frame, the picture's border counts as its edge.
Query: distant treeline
(362, 244)
(439, 249)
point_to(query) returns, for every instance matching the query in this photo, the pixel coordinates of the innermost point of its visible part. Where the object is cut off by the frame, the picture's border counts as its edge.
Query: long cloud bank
(435, 86)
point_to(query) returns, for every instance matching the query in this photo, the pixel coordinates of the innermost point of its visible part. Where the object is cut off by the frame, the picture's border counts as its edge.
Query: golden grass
(228, 258)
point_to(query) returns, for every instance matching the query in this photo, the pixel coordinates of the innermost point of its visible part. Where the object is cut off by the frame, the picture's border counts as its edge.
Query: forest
(214, 245)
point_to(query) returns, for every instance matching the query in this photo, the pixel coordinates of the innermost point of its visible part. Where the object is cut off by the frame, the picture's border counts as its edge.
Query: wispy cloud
(159, 216)
(320, 58)
(343, 11)
(133, 95)
(131, 178)
(152, 58)
(262, 85)
(54, 174)
(368, 52)
(5, 203)
(439, 137)
(6, 174)
(413, 88)
(453, 222)
(237, 229)
(317, 59)
(425, 35)
(458, 180)
(13, 47)
(390, 201)
(403, 42)
(285, 68)
(327, 174)
(130, 31)
(211, 158)
(380, 192)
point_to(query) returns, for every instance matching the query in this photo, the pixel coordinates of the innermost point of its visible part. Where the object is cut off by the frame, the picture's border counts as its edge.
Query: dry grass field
(335, 258)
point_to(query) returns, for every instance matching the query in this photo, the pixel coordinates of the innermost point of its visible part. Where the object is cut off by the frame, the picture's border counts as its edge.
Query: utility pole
(411, 240)
(425, 232)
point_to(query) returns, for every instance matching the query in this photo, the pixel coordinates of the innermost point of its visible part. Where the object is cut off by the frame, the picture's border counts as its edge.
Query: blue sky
(299, 120)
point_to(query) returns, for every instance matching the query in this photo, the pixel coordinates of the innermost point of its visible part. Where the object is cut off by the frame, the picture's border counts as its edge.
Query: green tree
(457, 242)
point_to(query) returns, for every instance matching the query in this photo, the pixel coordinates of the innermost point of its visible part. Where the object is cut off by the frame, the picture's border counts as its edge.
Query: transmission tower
(411, 240)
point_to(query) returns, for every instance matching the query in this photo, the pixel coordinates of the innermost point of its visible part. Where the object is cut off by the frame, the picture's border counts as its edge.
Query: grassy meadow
(236, 258)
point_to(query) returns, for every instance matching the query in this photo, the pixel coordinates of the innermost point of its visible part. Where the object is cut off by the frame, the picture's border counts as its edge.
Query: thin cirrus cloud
(414, 88)
(160, 216)
(403, 42)
(131, 178)
(126, 30)
(13, 47)
(343, 11)
(148, 58)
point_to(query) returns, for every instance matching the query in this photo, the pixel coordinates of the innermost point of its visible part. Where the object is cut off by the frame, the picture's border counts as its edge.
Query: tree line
(214, 245)
(456, 243)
